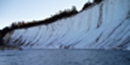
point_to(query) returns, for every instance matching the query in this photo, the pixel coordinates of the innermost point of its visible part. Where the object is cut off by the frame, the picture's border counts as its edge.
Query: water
(64, 57)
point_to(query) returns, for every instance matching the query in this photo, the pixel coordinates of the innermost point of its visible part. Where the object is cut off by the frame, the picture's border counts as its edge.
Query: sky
(29, 10)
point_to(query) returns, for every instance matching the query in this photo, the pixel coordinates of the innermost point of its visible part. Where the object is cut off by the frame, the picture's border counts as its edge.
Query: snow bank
(103, 26)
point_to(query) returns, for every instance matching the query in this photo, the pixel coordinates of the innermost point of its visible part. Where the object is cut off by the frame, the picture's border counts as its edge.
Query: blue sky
(28, 10)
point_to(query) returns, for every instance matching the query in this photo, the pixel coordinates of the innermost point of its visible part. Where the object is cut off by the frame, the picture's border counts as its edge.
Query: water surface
(64, 57)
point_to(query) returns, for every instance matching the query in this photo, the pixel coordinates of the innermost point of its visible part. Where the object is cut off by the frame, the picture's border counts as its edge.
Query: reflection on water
(64, 57)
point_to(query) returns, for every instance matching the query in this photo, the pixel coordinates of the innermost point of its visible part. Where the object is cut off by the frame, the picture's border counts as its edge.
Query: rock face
(103, 26)
(1, 42)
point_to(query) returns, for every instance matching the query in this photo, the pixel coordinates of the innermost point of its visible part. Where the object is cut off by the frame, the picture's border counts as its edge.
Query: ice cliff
(103, 26)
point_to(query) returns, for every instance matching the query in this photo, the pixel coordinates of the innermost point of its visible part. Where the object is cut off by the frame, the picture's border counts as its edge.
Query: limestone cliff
(102, 26)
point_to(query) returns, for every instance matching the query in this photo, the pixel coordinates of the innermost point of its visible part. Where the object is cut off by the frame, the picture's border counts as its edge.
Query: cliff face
(102, 26)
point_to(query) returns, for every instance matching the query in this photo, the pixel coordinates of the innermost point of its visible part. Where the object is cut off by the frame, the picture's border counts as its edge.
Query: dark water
(64, 57)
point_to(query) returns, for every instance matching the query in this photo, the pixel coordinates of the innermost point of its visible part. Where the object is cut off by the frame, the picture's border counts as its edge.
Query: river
(64, 57)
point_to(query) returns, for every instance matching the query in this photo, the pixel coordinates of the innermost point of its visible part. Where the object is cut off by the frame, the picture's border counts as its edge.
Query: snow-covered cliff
(102, 26)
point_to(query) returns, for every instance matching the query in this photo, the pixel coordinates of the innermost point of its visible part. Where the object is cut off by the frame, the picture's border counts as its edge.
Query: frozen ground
(64, 57)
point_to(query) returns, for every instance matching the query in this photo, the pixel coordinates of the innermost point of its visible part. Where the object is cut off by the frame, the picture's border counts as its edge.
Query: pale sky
(29, 10)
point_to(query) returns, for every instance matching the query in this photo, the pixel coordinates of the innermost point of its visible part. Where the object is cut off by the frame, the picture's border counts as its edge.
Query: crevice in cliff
(98, 38)
(18, 40)
(128, 15)
(100, 16)
(124, 43)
